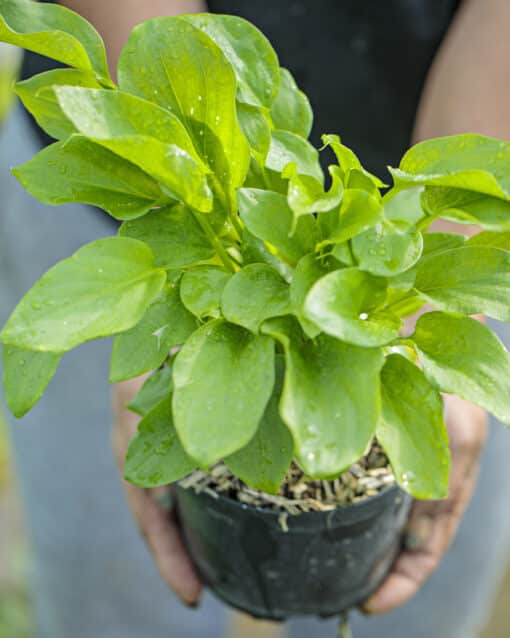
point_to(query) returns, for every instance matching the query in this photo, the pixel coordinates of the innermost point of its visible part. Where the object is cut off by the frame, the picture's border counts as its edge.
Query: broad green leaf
(39, 98)
(461, 356)
(173, 234)
(254, 124)
(387, 249)
(286, 148)
(469, 280)
(155, 456)
(306, 195)
(347, 159)
(268, 216)
(359, 212)
(438, 242)
(55, 32)
(77, 170)
(307, 272)
(201, 290)
(330, 399)
(142, 133)
(254, 294)
(254, 251)
(493, 239)
(412, 430)
(433, 243)
(472, 162)
(467, 207)
(404, 206)
(249, 52)
(343, 253)
(104, 288)
(223, 379)
(156, 388)
(145, 347)
(26, 375)
(291, 110)
(345, 304)
(172, 63)
(263, 463)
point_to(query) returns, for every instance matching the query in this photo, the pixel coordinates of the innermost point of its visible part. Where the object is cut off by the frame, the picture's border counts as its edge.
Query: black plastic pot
(326, 563)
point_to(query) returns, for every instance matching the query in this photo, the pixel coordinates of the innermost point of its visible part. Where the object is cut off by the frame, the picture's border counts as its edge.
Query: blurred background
(15, 605)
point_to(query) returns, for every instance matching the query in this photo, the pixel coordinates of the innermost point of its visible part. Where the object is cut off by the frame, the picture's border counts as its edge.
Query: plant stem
(214, 240)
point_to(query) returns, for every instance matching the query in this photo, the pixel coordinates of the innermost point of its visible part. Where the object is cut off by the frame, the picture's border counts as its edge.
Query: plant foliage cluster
(267, 305)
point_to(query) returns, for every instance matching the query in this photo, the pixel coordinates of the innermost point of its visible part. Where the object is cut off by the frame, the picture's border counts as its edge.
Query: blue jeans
(93, 576)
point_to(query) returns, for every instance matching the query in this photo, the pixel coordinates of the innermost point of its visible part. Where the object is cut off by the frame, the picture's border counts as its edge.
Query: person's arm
(114, 19)
(466, 91)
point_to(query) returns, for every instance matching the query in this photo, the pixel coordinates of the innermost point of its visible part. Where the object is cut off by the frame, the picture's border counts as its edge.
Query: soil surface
(299, 493)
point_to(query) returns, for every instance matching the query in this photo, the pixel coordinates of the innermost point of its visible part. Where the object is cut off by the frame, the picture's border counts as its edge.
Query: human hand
(432, 524)
(157, 524)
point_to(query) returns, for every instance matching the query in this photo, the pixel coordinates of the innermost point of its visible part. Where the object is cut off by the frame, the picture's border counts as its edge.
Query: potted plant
(284, 397)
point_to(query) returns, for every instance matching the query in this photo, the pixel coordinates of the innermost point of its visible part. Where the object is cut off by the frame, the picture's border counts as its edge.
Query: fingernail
(192, 605)
(418, 534)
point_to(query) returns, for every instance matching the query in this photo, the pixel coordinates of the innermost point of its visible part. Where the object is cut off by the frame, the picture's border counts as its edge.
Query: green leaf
(404, 206)
(170, 62)
(469, 280)
(249, 52)
(156, 388)
(493, 239)
(166, 323)
(307, 272)
(223, 379)
(345, 304)
(39, 98)
(201, 290)
(388, 249)
(254, 294)
(55, 32)
(472, 162)
(104, 288)
(268, 216)
(461, 356)
(330, 399)
(291, 110)
(254, 251)
(263, 463)
(174, 236)
(434, 243)
(359, 212)
(155, 456)
(348, 161)
(254, 124)
(306, 195)
(412, 431)
(142, 133)
(26, 375)
(466, 207)
(287, 148)
(78, 170)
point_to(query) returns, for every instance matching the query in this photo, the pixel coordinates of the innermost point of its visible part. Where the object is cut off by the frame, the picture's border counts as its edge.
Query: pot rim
(391, 490)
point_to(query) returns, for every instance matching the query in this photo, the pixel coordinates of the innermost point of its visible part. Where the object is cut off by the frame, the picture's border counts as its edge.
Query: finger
(162, 535)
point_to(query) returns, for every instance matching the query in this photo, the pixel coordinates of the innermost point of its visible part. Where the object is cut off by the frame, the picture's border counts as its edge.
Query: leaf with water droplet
(36, 370)
(262, 463)
(155, 456)
(462, 356)
(332, 385)
(412, 430)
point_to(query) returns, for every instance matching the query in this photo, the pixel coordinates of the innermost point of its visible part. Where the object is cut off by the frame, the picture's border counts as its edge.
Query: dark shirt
(362, 63)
